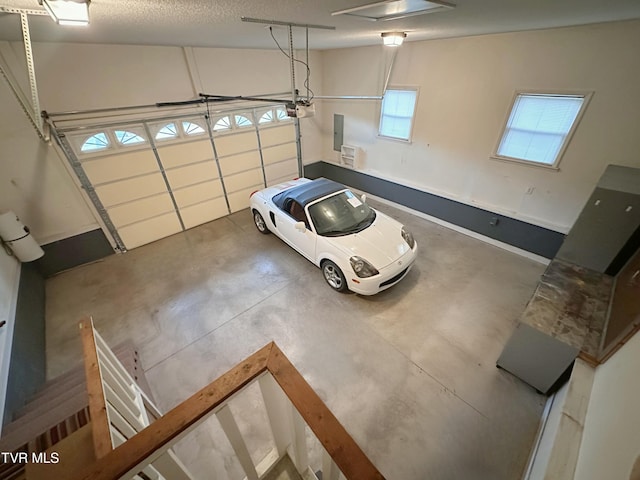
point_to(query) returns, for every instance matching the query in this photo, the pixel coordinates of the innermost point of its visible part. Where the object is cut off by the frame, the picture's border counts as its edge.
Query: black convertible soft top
(308, 192)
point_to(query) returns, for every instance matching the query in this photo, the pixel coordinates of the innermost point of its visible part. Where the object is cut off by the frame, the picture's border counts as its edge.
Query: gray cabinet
(607, 222)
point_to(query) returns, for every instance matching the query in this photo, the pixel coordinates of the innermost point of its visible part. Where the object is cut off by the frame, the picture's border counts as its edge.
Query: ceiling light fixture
(67, 12)
(393, 39)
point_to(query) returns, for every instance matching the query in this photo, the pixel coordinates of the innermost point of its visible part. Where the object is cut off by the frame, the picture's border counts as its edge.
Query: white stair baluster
(330, 470)
(278, 407)
(300, 454)
(232, 431)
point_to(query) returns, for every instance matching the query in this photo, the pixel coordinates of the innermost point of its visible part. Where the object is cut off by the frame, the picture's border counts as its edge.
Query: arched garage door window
(96, 142)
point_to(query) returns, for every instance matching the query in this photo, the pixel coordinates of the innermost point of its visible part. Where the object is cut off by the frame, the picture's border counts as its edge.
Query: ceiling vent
(395, 9)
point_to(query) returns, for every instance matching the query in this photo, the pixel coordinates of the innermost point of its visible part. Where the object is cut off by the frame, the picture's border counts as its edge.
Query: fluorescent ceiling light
(394, 9)
(393, 39)
(67, 12)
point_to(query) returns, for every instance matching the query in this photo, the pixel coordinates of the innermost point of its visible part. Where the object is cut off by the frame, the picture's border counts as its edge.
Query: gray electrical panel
(338, 131)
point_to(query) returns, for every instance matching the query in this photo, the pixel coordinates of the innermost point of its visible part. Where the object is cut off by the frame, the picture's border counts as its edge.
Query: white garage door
(152, 179)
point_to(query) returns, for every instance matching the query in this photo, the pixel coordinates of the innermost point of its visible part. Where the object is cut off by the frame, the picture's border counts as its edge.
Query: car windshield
(341, 214)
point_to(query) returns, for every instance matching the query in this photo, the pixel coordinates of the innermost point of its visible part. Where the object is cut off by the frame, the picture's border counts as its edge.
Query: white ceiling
(216, 23)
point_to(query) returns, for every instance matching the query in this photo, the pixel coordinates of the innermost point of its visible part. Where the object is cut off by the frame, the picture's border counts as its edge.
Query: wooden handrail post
(97, 404)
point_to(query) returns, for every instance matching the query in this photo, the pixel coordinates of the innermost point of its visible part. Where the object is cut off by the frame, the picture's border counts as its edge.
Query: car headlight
(408, 237)
(362, 268)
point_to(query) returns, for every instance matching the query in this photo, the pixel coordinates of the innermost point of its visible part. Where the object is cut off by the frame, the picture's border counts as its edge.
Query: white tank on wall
(17, 237)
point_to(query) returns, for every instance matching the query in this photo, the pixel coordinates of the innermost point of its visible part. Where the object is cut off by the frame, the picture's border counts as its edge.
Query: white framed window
(266, 117)
(96, 142)
(397, 113)
(222, 124)
(191, 127)
(281, 114)
(128, 137)
(167, 131)
(278, 114)
(242, 121)
(539, 127)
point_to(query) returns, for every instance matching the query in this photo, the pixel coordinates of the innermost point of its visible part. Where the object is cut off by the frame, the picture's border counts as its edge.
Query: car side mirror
(363, 198)
(301, 227)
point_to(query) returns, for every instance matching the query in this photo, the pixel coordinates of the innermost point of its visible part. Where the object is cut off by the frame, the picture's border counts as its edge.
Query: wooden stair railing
(271, 368)
(51, 416)
(119, 408)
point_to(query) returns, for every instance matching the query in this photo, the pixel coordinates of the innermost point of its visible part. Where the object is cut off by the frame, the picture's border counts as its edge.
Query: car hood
(380, 244)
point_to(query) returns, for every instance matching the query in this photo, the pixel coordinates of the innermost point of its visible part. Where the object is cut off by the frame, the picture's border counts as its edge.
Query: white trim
(527, 163)
(464, 231)
(544, 419)
(556, 453)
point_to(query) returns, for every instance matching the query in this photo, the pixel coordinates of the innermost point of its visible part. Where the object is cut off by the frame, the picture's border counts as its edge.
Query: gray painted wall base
(73, 251)
(27, 367)
(532, 238)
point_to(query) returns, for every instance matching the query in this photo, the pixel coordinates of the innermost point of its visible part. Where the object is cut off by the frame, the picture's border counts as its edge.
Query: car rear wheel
(260, 223)
(334, 276)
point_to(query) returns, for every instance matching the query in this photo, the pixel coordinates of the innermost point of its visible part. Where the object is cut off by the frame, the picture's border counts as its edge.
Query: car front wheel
(334, 276)
(260, 223)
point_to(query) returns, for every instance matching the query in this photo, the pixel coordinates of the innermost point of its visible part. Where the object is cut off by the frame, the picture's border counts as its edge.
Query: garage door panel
(240, 162)
(183, 176)
(244, 180)
(185, 153)
(197, 193)
(116, 167)
(203, 212)
(280, 172)
(281, 152)
(240, 200)
(277, 135)
(232, 144)
(150, 230)
(203, 178)
(131, 189)
(140, 209)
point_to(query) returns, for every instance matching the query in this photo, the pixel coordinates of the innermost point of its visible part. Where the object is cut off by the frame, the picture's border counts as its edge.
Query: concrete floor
(410, 372)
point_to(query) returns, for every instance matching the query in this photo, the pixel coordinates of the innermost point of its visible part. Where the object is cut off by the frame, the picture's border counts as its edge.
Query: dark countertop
(570, 304)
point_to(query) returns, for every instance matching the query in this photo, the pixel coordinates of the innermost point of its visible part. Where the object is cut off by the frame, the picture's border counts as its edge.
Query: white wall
(611, 436)
(34, 181)
(466, 86)
(9, 277)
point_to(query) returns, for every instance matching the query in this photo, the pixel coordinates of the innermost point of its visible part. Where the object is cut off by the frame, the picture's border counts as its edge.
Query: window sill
(394, 139)
(527, 163)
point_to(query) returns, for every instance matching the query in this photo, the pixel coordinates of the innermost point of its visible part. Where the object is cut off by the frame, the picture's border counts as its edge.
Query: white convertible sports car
(357, 247)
